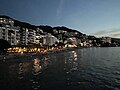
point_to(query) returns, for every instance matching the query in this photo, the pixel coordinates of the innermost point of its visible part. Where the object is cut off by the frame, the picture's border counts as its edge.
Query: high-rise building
(8, 31)
(31, 36)
(23, 36)
(16, 35)
(19, 33)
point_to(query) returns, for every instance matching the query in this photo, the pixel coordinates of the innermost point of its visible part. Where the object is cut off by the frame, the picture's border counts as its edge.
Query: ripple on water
(117, 78)
(73, 69)
(20, 72)
(35, 84)
(111, 87)
(116, 72)
(85, 70)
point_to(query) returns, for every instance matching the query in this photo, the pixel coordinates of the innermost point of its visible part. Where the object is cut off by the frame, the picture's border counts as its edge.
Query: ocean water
(80, 69)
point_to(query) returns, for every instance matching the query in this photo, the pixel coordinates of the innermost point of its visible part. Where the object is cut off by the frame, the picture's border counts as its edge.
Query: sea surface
(79, 69)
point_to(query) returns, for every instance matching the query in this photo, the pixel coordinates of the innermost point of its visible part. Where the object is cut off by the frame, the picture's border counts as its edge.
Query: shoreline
(9, 56)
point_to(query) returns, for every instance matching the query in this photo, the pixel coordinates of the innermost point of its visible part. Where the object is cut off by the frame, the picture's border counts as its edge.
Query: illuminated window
(1, 20)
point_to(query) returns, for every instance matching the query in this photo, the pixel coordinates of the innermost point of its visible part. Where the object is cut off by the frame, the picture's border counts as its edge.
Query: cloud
(115, 30)
(100, 33)
(115, 33)
(60, 7)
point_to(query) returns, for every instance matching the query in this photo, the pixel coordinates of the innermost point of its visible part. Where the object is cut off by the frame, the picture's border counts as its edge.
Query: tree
(4, 44)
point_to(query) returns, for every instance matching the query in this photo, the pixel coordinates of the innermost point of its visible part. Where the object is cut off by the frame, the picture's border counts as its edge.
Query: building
(39, 36)
(106, 39)
(49, 40)
(16, 35)
(23, 36)
(7, 21)
(27, 36)
(8, 31)
(31, 36)
(20, 33)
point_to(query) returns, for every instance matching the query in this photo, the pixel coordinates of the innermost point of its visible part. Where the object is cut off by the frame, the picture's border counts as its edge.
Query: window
(1, 21)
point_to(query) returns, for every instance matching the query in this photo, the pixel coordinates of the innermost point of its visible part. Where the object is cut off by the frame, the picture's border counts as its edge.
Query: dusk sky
(98, 17)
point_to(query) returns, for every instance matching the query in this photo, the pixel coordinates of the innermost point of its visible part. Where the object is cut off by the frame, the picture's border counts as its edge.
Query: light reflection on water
(71, 66)
(36, 66)
(82, 69)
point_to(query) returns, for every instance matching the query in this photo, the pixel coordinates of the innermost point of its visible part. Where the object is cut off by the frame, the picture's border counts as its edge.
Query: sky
(92, 17)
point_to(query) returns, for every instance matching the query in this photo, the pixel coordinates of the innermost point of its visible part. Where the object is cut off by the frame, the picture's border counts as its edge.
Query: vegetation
(4, 45)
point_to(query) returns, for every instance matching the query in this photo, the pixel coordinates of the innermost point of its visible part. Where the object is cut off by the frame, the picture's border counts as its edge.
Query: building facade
(8, 31)
(49, 40)
(16, 35)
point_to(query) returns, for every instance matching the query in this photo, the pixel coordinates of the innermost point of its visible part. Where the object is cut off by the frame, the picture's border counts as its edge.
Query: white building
(49, 40)
(20, 35)
(31, 36)
(24, 36)
(8, 31)
(106, 39)
(27, 36)
(6, 21)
